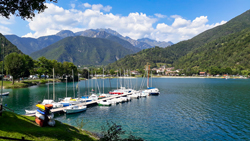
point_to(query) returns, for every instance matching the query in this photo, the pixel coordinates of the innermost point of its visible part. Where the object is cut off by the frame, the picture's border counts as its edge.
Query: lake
(186, 109)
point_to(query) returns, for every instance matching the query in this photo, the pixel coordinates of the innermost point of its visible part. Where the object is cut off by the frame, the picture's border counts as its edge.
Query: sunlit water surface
(186, 109)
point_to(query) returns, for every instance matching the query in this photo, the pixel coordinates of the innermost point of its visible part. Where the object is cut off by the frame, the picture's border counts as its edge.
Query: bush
(114, 132)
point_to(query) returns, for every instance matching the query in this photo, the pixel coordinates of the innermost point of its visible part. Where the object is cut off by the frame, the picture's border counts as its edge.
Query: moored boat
(104, 103)
(74, 109)
(5, 94)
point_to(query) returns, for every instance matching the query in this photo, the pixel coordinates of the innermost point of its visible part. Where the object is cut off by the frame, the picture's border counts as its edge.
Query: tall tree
(14, 65)
(44, 66)
(26, 9)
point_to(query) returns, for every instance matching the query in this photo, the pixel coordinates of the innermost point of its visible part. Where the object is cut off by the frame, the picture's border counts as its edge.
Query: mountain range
(226, 45)
(30, 45)
(84, 51)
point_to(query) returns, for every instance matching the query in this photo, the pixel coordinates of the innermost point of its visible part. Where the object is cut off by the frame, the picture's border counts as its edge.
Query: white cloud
(4, 30)
(6, 21)
(87, 5)
(182, 29)
(160, 15)
(135, 25)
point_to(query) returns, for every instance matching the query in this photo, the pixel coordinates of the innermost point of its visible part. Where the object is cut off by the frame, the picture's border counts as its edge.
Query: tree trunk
(12, 81)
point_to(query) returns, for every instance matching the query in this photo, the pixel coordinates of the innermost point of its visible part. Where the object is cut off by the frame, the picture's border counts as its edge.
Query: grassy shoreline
(17, 126)
(25, 83)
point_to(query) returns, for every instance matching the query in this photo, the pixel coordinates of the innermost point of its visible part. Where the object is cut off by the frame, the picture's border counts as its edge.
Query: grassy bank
(25, 83)
(8, 85)
(18, 126)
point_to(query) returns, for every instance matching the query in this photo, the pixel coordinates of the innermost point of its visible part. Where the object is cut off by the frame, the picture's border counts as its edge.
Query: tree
(28, 66)
(84, 73)
(112, 72)
(44, 66)
(26, 9)
(14, 65)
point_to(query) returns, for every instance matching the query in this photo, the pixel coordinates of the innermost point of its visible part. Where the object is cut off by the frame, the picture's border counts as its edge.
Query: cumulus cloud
(87, 5)
(182, 29)
(160, 15)
(135, 25)
(4, 30)
(4, 22)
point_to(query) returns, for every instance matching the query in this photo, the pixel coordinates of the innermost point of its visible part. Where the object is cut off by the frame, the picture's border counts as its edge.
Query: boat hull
(74, 110)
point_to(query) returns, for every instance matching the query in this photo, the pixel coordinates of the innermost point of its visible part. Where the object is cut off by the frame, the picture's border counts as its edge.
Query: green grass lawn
(18, 126)
(8, 85)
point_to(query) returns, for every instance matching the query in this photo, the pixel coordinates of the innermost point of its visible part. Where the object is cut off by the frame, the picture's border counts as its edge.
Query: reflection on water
(186, 109)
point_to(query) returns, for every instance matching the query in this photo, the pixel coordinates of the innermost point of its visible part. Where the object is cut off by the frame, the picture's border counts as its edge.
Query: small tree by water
(113, 132)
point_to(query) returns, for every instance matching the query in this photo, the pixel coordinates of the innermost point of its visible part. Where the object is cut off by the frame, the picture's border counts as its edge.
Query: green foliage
(8, 47)
(14, 65)
(225, 47)
(112, 72)
(225, 53)
(114, 132)
(26, 9)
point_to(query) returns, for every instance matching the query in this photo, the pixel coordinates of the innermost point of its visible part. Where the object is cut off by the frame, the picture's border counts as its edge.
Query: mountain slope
(155, 43)
(103, 34)
(83, 51)
(231, 51)
(29, 45)
(173, 53)
(8, 47)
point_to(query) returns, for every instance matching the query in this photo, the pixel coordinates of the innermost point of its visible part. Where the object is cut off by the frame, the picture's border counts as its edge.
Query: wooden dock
(85, 103)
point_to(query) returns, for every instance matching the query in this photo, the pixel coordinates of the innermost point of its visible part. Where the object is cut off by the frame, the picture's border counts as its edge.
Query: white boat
(55, 104)
(74, 109)
(30, 111)
(104, 103)
(5, 94)
(152, 91)
(93, 97)
(112, 101)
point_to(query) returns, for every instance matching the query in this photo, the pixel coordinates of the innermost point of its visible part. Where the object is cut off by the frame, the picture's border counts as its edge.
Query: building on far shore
(203, 74)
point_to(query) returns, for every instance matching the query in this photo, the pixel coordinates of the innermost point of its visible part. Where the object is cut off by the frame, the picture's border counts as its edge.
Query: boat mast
(78, 86)
(117, 80)
(88, 81)
(103, 79)
(151, 78)
(66, 84)
(48, 89)
(73, 83)
(53, 84)
(95, 81)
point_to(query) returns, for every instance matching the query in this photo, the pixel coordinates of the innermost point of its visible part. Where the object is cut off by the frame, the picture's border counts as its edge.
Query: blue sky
(162, 20)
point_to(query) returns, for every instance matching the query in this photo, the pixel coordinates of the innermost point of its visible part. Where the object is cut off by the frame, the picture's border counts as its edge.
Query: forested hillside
(8, 47)
(84, 51)
(222, 40)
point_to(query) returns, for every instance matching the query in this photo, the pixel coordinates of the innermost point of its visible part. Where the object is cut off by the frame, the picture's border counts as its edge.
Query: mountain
(29, 45)
(106, 35)
(84, 51)
(155, 43)
(200, 51)
(65, 33)
(8, 47)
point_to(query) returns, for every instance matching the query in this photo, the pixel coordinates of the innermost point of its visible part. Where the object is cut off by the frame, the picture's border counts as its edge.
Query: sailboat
(51, 101)
(74, 108)
(150, 90)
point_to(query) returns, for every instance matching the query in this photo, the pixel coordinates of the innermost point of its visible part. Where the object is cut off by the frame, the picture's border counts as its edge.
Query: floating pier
(85, 103)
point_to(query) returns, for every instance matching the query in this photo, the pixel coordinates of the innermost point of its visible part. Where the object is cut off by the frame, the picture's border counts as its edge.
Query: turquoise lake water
(186, 109)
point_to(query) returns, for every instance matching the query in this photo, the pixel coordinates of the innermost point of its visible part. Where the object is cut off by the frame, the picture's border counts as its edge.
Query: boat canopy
(151, 87)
